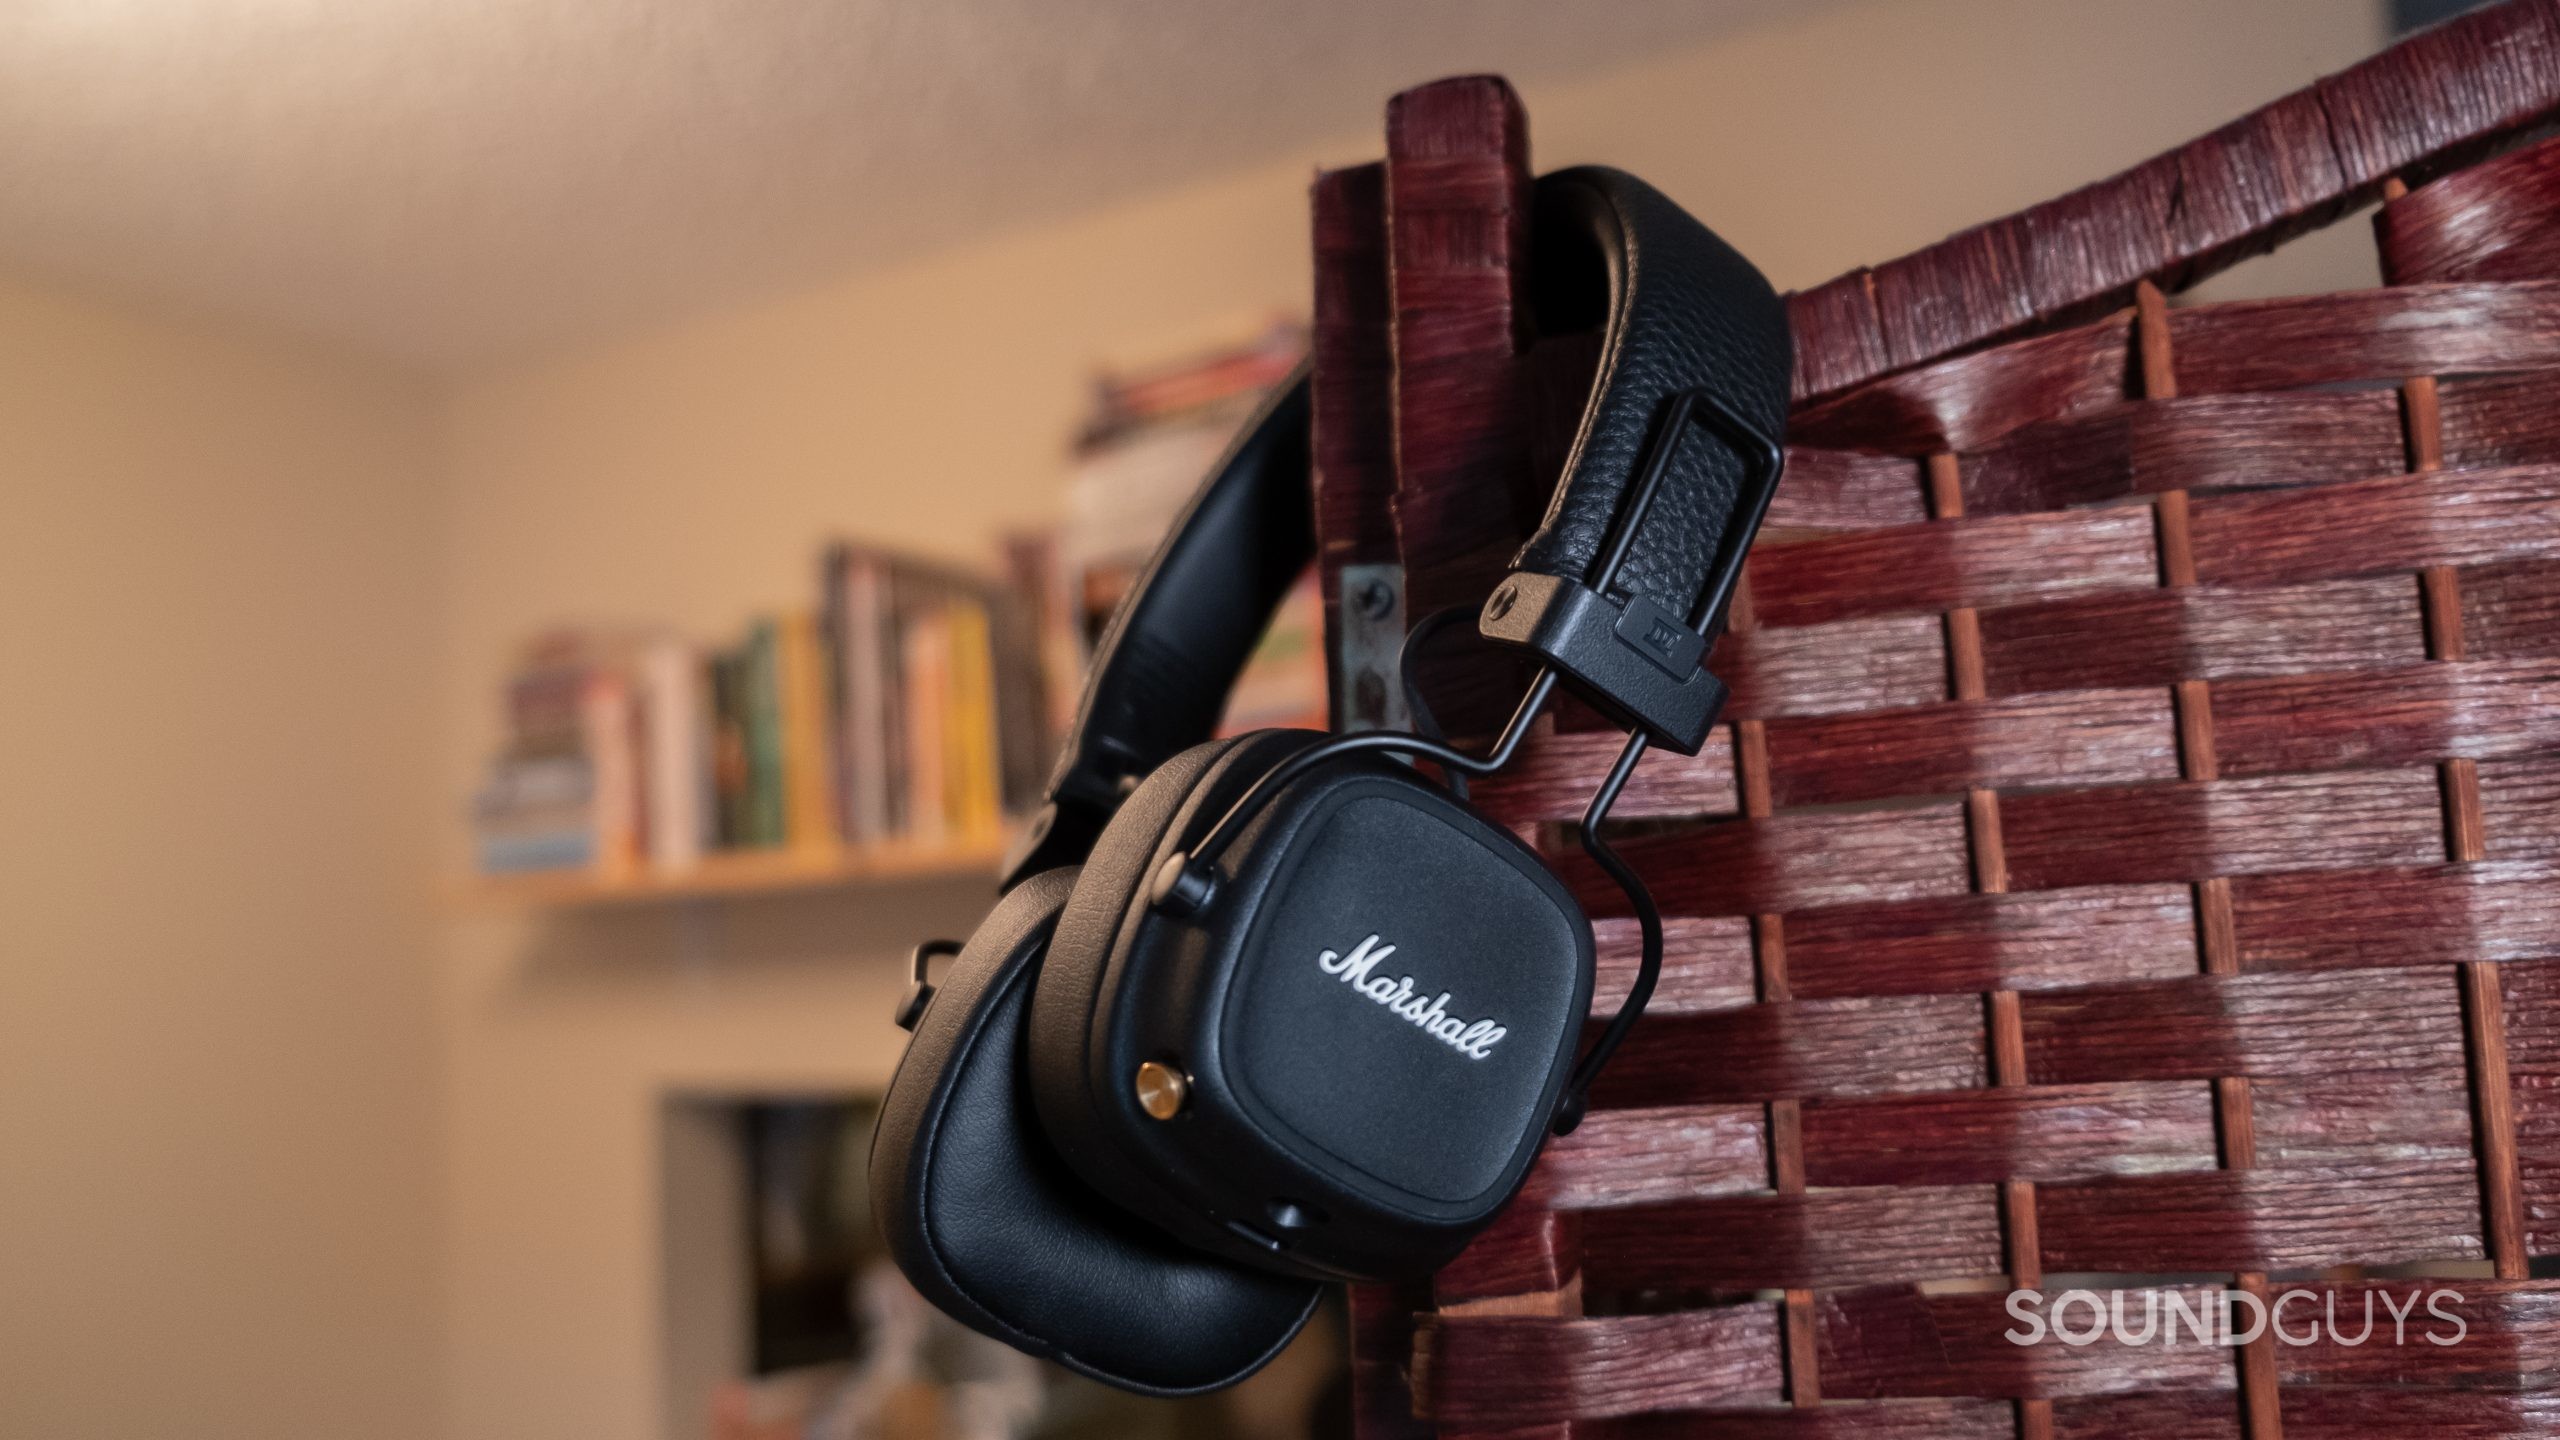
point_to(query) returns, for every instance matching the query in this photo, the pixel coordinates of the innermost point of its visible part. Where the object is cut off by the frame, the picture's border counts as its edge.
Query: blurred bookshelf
(742, 874)
(895, 728)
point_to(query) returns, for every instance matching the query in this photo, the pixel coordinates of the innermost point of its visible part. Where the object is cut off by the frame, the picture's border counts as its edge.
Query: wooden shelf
(743, 874)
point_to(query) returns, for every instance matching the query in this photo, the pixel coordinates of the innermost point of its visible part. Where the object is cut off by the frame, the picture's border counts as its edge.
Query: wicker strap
(2426, 104)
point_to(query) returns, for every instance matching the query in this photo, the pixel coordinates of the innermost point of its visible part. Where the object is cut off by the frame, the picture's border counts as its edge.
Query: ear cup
(992, 1227)
(1180, 798)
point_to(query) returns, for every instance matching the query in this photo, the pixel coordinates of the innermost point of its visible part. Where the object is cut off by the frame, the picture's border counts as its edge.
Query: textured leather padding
(1182, 797)
(993, 1228)
(1678, 310)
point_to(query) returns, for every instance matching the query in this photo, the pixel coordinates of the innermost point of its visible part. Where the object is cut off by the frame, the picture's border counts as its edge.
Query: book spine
(1022, 720)
(869, 686)
(833, 623)
(901, 601)
(808, 783)
(925, 647)
(761, 706)
(536, 812)
(729, 749)
(674, 720)
(611, 725)
(970, 778)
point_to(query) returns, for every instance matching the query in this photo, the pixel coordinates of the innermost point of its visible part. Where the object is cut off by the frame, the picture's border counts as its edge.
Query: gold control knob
(1161, 1089)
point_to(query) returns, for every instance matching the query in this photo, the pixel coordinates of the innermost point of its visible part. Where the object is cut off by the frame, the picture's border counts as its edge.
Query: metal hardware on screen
(1372, 604)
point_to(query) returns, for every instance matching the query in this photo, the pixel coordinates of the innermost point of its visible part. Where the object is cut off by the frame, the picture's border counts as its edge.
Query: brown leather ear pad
(1182, 796)
(993, 1228)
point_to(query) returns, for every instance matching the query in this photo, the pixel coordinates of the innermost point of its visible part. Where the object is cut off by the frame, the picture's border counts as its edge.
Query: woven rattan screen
(2132, 862)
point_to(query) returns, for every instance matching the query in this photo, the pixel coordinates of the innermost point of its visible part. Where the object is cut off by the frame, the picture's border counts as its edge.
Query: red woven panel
(2263, 1220)
(1974, 943)
(1570, 765)
(1981, 1137)
(2202, 1026)
(1805, 1047)
(1837, 340)
(2332, 339)
(1793, 862)
(1888, 1343)
(2531, 992)
(2481, 709)
(1878, 1420)
(1974, 400)
(2191, 830)
(1940, 749)
(2511, 609)
(2492, 421)
(1846, 490)
(2491, 222)
(2131, 859)
(1935, 567)
(1826, 669)
(2520, 802)
(2416, 1114)
(1831, 1238)
(1706, 964)
(2159, 637)
(2328, 1413)
(1669, 1152)
(1489, 1371)
(2427, 915)
(2444, 95)
(2209, 441)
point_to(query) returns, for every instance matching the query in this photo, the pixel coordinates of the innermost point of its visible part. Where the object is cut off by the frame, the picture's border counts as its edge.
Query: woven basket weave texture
(2132, 858)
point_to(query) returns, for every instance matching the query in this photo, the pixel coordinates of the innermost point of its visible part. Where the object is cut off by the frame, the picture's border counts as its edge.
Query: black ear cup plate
(1373, 1018)
(992, 1226)
(1183, 795)
(1406, 996)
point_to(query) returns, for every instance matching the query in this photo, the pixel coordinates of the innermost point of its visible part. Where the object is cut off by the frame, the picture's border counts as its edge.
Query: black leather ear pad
(994, 1229)
(1183, 796)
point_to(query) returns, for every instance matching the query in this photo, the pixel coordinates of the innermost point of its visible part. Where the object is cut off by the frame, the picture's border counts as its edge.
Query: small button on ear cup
(1188, 791)
(988, 1222)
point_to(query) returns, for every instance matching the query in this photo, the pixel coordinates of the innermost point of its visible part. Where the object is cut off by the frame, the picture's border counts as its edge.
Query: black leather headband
(1681, 314)
(1159, 678)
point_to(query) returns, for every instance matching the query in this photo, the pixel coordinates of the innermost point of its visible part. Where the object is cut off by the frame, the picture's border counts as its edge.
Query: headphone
(1259, 1014)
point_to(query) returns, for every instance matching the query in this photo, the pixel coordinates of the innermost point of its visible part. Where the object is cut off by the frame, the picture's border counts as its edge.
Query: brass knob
(1161, 1089)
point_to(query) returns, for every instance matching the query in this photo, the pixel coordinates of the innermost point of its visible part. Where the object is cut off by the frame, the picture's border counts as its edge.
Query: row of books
(916, 702)
(908, 706)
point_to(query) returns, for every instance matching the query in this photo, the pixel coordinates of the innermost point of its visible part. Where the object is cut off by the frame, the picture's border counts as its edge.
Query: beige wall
(687, 476)
(217, 1110)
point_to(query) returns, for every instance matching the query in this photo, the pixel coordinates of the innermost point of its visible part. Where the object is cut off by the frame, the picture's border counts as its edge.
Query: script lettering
(1399, 996)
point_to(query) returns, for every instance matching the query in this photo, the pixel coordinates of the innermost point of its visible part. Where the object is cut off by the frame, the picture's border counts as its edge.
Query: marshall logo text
(1474, 1039)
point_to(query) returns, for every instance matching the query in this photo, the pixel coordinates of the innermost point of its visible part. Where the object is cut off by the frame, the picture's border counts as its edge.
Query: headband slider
(1640, 666)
